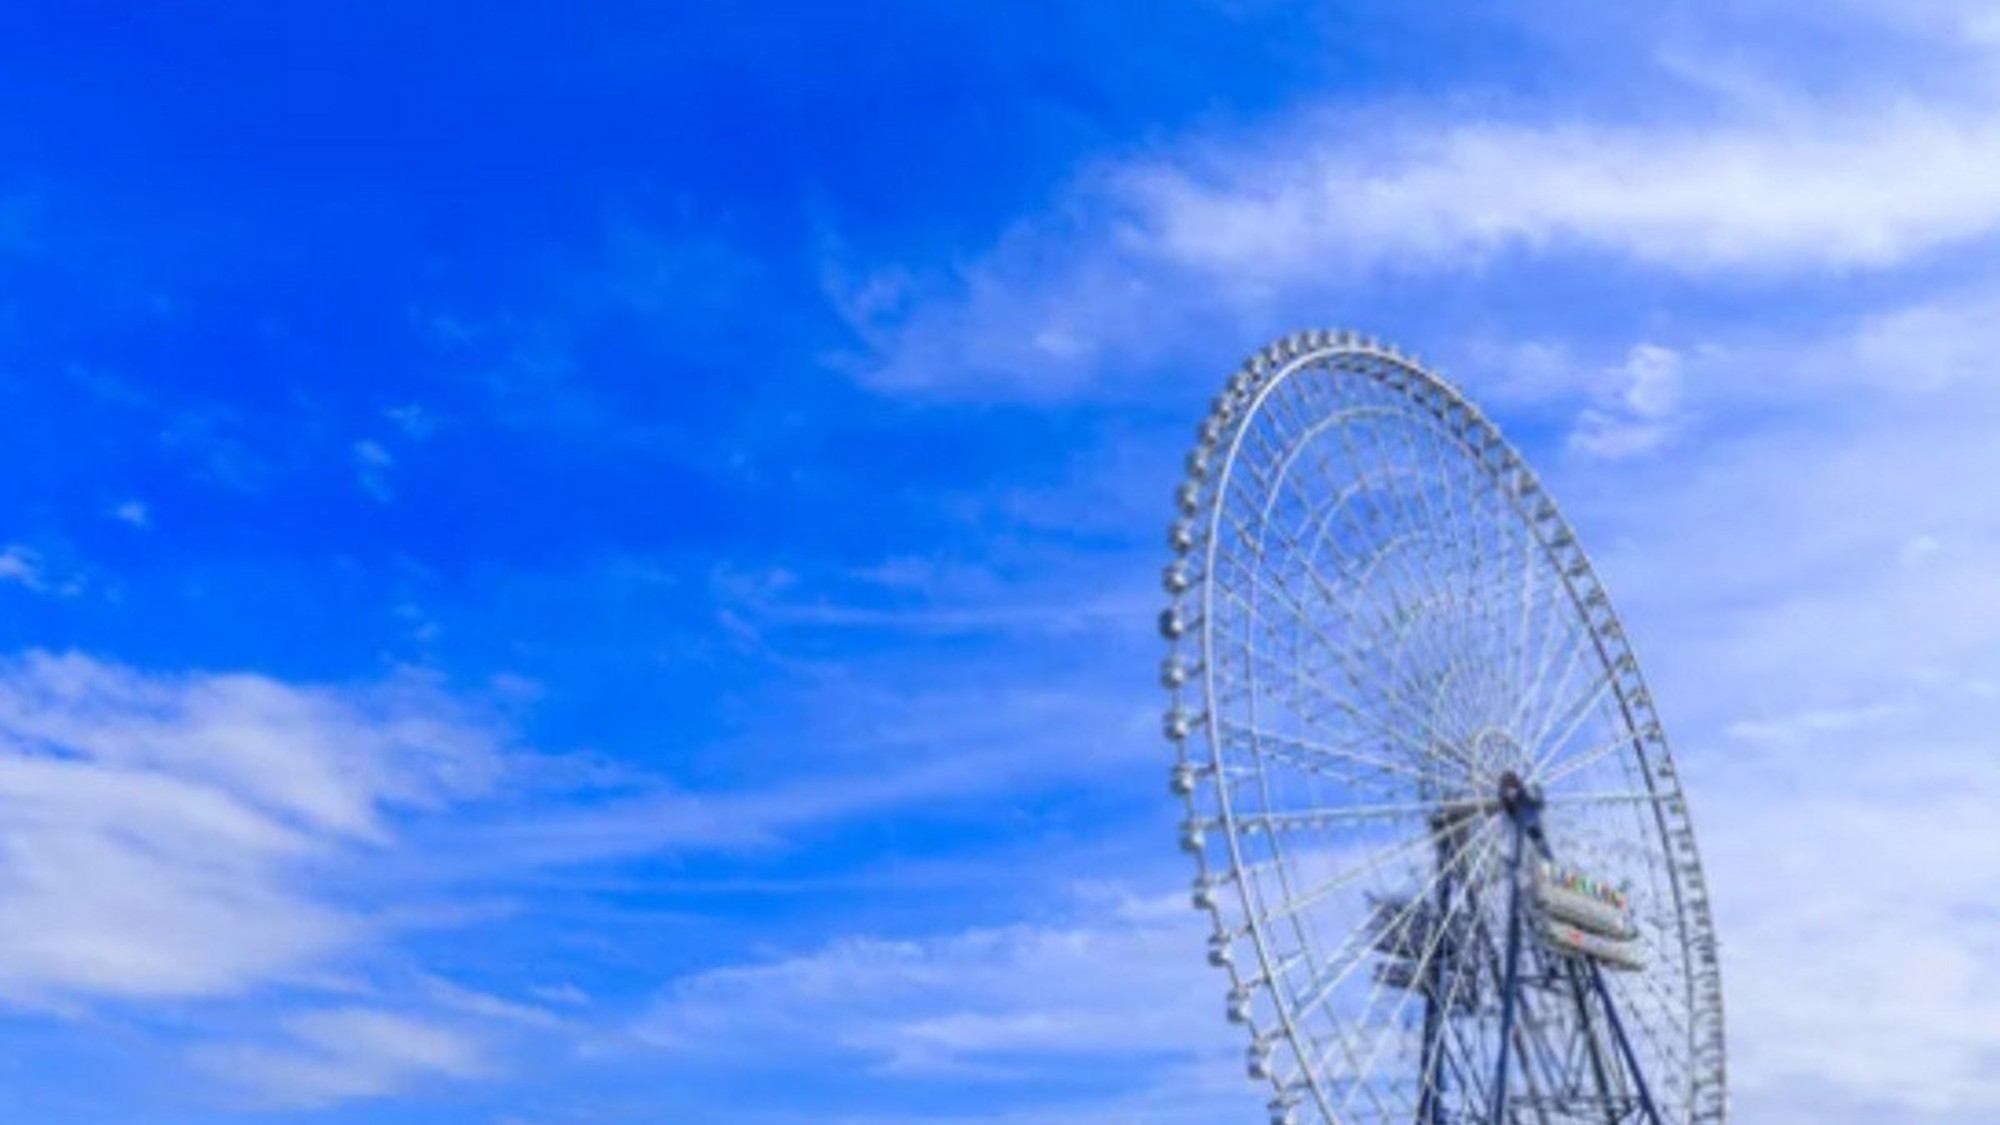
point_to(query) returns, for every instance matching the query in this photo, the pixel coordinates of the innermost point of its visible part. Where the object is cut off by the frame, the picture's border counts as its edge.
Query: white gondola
(1575, 898)
(1574, 941)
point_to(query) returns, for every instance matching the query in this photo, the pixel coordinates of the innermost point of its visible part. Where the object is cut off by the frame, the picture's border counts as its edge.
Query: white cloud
(1946, 341)
(162, 831)
(1232, 237)
(565, 995)
(1121, 979)
(17, 564)
(1640, 412)
(133, 512)
(413, 420)
(342, 1054)
(27, 569)
(1856, 876)
(1844, 190)
(1794, 730)
(1036, 318)
(372, 463)
(958, 744)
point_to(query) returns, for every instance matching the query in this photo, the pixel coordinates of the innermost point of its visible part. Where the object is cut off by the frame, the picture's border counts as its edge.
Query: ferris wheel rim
(1246, 395)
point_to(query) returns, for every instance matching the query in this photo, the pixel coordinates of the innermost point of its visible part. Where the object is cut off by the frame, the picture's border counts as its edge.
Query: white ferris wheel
(1440, 837)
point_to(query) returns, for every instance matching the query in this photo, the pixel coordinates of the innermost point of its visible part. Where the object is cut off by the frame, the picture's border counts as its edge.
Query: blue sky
(565, 568)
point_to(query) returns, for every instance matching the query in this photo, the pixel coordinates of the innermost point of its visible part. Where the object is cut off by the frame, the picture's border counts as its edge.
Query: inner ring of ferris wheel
(1387, 638)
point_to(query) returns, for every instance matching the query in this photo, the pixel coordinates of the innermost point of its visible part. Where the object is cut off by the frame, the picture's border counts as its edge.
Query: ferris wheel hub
(1514, 793)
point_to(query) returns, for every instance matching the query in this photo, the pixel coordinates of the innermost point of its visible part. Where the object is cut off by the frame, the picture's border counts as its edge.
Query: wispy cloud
(163, 830)
(1121, 979)
(1856, 927)
(372, 462)
(1844, 190)
(27, 568)
(1223, 235)
(878, 749)
(342, 1054)
(413, 420)
(133, 512)
(1640, 411)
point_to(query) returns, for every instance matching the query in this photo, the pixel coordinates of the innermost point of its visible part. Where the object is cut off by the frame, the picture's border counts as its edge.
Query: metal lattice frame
(1377, 614)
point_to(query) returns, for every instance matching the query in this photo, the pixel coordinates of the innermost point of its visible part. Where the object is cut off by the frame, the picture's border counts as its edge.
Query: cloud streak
(1116, 982)
(1842, 191)
(1226, 235)
(164, 833)
(342, 1054)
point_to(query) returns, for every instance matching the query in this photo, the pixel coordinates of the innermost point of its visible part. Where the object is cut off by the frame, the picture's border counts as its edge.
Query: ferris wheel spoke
(1552, 772)
(1425, 683)
(1381, 685)
(1476, 696)
(1451, 1027)
(1661, 1047)
(1656, 948)
(1537, 639)
(1500, 663)
(1340, 504)
(1324, 592)
(1390, 1030)
(1476, 851)
(1349, 707)
(1566, 704)
(1457, 750)
(1323, 751)
(1339, 421)
(1360, 943)
(1554, 655)
(1418, 510)
(1351, 579)
(1401, 515)
(1271, 749)
(1444, 723)
(1329, 817)
(1486, 549)
(1551, 741)
(1551, 636)
(1360, 716)
(1277, 459)
(1551, 748)
(1379, 559)
(1479, 853)
(1254, 655)
(1396, 639)
(1516, 575)
(1390, 1025)
(1382, 486)
(1307, 899)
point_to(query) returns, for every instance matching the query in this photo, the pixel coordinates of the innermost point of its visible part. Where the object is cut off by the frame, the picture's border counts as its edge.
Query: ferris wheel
(1438, 831)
